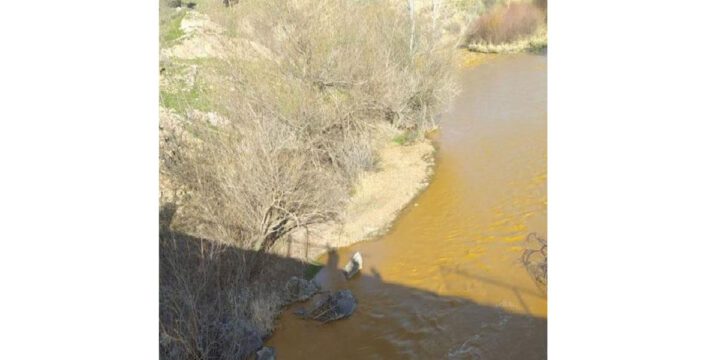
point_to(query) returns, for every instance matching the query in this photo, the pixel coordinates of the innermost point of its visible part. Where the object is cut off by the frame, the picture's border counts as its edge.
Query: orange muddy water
(447, 281)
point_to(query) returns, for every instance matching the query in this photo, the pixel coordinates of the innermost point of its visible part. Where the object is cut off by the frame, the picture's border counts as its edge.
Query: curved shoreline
(403, 172)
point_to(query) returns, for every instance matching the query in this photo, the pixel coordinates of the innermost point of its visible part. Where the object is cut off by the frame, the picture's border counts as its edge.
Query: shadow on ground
(391, 321)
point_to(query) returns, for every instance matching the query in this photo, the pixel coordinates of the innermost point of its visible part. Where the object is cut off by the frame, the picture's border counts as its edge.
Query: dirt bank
(402, 172)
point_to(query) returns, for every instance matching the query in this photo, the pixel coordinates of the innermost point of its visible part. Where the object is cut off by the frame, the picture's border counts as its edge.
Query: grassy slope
(170, 20)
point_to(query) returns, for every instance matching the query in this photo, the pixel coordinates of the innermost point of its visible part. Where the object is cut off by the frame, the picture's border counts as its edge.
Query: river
(447, 281)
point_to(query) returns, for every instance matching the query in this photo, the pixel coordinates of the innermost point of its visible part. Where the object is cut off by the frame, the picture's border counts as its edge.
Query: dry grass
(169, 23)
(536, 42)
(209, 308)
(505, 24)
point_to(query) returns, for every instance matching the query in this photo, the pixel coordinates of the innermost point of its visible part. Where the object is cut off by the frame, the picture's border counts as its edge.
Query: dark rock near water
(250, 341)
(266, 353)
(331, 307)
(298, 289)
(301, 312)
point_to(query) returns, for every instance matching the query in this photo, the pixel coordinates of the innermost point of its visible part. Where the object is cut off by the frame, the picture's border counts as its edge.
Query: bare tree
(534, 258)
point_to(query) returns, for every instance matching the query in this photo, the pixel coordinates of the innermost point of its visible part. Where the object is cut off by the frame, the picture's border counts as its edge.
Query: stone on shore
(266, 353)
(353, 266)
(298, 289)
(332, 307)
(249, 340)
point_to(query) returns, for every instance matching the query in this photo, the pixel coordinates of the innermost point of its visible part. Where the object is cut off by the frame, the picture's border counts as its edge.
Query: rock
(301, 312)
(266, 353)
(333, 307)
(249, 340)
(353, 266)
(298, 289)
(470, 349)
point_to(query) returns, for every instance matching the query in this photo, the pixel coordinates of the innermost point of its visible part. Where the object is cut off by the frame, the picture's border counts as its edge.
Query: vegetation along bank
(288, 128)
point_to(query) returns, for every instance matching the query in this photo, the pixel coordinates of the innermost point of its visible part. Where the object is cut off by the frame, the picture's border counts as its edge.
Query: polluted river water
(447, 280)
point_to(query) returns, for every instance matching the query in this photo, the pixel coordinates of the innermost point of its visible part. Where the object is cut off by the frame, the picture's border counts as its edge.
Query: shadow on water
(518, 291)
(436, 286)
(399, 322)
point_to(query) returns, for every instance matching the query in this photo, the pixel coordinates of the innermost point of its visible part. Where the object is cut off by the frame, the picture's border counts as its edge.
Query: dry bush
(534, 258)
(355, 57)
(505, 24)
(208, 307)
(301, 114)
(254, 183)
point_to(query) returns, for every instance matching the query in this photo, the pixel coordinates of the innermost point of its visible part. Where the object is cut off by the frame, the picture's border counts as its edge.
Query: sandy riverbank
(402, 172)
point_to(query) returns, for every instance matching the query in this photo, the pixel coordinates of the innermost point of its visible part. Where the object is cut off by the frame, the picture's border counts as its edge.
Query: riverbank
(535, 43)
(401, 173)
(508, 28)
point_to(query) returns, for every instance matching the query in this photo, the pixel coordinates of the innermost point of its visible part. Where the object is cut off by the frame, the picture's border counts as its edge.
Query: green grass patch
(183, 100)
(405, 138)
(312, 269)
(170, 20)
(183, 88)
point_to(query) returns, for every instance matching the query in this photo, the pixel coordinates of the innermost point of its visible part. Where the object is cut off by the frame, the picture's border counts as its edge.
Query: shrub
(209, 309)
(505, 23)
(534, 258)
(303, 113)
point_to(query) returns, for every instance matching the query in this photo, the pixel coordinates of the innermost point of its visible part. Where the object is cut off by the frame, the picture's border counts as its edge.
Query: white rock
(353, 266)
